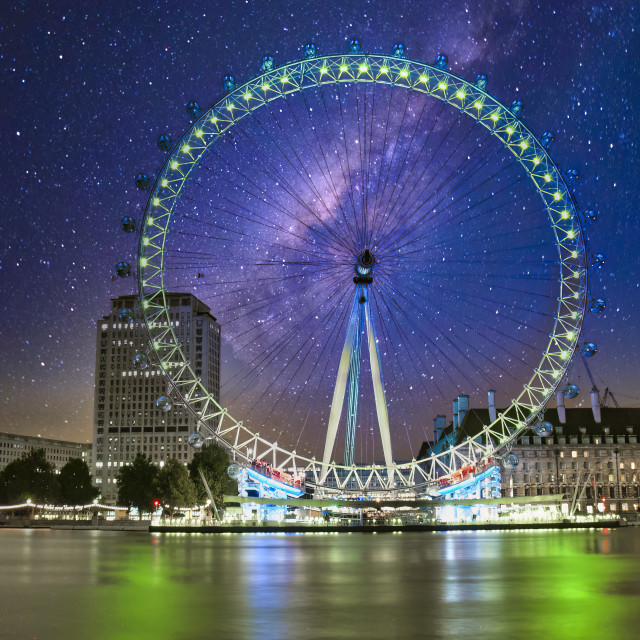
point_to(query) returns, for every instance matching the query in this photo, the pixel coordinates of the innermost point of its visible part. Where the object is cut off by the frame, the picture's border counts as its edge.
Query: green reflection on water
(575, 584)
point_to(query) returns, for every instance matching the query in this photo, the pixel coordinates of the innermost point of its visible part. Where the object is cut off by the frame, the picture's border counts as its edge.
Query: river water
(499, 585)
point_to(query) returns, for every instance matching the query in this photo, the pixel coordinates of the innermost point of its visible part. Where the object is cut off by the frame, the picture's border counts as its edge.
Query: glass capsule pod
(544, 428)
(229, 83)
(516, 107)
(589, 216)
(123, 269)
(598, 260)
(164, 142)
(267, 63)
(398, 50)
(481, 81)
(128, 224)
(141, 361)
(193, 109)
(126, 315)
(546, 139)
(310, 50)
(164, 403)
(589, 349)
(234, 470)
(597, 305)
(570, 391)
(442, 61)
(142, 181)
(354, 46)
(510, 461)
(196, 440)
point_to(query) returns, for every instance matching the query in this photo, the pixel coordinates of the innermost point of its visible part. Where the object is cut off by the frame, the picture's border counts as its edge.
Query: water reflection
(66, 584)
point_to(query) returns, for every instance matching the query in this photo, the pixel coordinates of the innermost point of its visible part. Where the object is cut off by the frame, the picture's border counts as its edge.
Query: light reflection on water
(535, 584)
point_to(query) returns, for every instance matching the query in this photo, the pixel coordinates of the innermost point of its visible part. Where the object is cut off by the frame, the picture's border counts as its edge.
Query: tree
(75, 483)
(29, 477)
(137, 485)
(213, 460)
(175, 487)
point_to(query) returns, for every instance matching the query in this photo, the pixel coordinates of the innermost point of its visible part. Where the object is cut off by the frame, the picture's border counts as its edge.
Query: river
(58, 585)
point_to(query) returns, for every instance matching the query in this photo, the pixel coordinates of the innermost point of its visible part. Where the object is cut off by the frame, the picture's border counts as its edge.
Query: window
(574, 454)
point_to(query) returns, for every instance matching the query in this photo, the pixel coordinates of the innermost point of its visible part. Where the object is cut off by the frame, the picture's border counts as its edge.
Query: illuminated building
(594, 452)
(58, 452)
(134, 411)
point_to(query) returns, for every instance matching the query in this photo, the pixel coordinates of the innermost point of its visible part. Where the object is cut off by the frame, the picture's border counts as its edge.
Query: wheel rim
(354, 69)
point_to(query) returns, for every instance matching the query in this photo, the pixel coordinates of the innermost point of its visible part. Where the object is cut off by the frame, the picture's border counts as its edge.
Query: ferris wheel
(371, 231)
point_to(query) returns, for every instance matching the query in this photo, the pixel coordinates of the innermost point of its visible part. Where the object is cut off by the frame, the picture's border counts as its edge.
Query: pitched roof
(616, 420)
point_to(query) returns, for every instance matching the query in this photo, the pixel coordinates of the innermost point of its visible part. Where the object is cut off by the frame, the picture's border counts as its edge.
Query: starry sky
(88, 90)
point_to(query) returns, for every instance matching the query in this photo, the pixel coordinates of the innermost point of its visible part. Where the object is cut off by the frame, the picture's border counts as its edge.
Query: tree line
(141, 485)
(33, 477)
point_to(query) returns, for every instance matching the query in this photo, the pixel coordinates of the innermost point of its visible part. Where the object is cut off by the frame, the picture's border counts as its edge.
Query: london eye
(375, 235)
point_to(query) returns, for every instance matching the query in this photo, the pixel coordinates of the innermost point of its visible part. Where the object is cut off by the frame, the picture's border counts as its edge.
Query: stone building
(592, 454)
(58, 452)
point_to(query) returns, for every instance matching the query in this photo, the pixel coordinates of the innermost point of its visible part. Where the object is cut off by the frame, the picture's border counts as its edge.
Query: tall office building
(126, 418)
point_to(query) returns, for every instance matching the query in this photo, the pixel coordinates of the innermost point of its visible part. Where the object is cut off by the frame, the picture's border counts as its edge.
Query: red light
(157, 503)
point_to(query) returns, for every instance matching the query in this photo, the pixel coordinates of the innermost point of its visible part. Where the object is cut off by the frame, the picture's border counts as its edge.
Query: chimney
(492, 406)
(455, 413)
(562, 414)
(463, 408)
(595, 405)
(439, 425)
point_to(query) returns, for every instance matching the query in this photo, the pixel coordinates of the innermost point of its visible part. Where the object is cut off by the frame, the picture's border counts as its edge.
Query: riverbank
(386, 528)
(147, 526)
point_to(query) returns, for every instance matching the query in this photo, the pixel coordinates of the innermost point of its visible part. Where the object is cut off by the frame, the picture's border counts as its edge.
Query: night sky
(87, 92)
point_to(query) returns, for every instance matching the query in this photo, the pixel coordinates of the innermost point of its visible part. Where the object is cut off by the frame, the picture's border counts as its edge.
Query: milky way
(89, 93)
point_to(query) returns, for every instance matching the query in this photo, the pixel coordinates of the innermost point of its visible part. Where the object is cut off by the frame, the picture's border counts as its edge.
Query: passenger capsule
(597, 305)
(193, 109)
(547, 139)
(228, 83)
(510, 461)
(234, 470)
(126, 315)
(481, 81)
(544, 429)
(442, 61)
(164, 142)
(123, 269)
(589, 349)
(267, 64)
(589, 216)
(141, 361)
(354, 46)
(310, 50)
(196, 440)
(570, 391)
(164, 403)
(516, 107)
(128, 224)
(398, 50)
(598, 260)
(142, 181)
(572, 174)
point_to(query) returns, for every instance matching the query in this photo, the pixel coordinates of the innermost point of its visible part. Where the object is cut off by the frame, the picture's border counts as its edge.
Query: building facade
(58, 452)
(598, 463)
(127, 420)
(592, 456)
